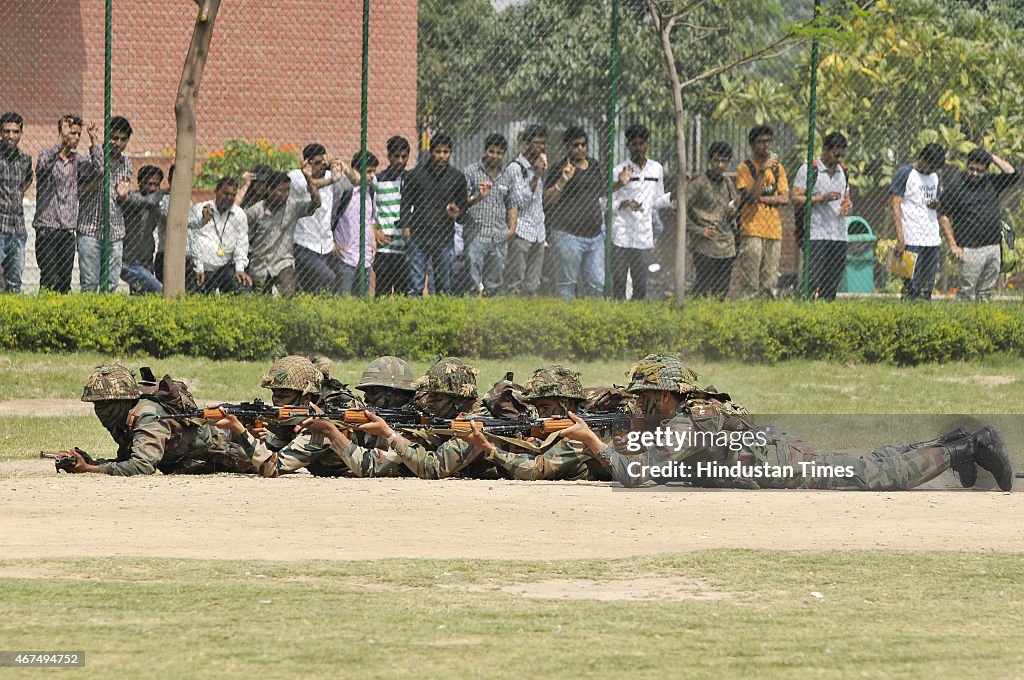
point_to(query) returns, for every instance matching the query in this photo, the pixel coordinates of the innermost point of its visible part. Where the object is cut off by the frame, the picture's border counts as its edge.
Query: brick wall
(287, 70)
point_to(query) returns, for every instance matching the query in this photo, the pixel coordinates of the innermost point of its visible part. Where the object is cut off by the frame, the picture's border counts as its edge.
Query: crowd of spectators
(522, 227)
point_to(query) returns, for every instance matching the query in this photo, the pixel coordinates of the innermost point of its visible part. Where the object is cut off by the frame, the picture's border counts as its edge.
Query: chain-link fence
(518, 147)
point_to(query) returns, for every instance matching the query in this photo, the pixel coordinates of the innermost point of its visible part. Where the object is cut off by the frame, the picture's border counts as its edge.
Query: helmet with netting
(110, 382)
(554, 381)
(661, 372)
(293, 373)
(389, 372)
(505, 399)
(449, 375)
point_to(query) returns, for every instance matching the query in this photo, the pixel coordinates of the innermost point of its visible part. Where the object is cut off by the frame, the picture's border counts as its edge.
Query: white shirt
(517, 177)
(313, 232)
(635, 228)
(826, 222)
(920, 223)
(223, 239)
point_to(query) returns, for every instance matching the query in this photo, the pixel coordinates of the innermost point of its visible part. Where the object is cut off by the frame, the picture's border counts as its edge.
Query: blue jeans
(439, 255)
(486, 266)
(921, 285)
(90, 252)
(579, 264)
(140, 279)
(12, 260)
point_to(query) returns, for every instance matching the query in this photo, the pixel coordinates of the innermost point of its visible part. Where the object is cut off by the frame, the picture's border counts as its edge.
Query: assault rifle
(257, 413)
(64, 461)
(542, 427)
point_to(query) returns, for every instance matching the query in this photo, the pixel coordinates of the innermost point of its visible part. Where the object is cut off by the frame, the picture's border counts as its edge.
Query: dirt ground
(301, 517)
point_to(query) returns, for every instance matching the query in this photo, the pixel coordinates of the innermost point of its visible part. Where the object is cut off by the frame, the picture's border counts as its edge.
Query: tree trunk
(185, 148)
(664, 26)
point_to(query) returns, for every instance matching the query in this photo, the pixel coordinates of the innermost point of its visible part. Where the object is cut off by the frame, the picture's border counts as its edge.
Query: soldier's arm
(149, 439)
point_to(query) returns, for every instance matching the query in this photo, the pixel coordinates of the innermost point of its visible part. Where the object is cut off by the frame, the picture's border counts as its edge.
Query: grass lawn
(801, 386)
(711, 614)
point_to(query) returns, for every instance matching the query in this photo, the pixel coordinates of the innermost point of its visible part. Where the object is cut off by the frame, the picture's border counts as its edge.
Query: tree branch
(764, 53)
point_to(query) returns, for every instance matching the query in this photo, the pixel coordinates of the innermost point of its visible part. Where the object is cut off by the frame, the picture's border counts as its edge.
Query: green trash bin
(859, 274)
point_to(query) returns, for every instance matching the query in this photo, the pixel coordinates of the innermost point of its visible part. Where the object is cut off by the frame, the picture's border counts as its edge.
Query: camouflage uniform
(560, 459)
(282, 451)
(149, 441)
(433, 456)
(776, 464)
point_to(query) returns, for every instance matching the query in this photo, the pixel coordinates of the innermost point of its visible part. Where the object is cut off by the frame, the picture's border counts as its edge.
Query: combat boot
(968, 472)
(989, 454)
(984, 447)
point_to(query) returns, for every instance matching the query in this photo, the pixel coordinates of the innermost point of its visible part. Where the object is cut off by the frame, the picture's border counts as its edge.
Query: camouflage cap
(554, 381)
(293, 373)
(449, 375)
(387, 371)
(110, 382)
(661, 372)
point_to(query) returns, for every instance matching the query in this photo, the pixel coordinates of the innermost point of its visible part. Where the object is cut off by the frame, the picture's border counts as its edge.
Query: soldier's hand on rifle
(475, 437)
(230, 422)
(80, 464)
(376, 426)
(324, 427)
(581, 432)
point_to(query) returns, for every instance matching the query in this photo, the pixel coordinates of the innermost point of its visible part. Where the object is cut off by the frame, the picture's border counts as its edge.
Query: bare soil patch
(302, 517)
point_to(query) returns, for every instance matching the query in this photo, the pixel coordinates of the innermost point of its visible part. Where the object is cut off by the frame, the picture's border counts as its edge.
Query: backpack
(172, 394)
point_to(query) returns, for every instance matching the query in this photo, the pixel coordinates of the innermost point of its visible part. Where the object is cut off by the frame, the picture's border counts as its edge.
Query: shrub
(254, 327)
(239, 156)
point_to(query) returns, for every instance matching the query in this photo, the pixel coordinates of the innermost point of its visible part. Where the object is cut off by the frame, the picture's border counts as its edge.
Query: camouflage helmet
(449, 375)
(110, 382)
(387, 371)
(554, 381)
(293, 373)
(661, 372)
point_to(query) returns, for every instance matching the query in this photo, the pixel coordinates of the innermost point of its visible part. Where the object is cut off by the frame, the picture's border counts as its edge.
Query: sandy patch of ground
(984, 380)
(38, 407)
(301, 517)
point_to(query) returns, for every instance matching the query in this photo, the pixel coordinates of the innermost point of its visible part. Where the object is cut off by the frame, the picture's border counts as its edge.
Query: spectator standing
(485, 227)
(639, 192)
(913, 201)
(972, 206)
(315, 263)
(524, 178)
(90, 214)
(390, 268)
(573, 213)
(271, 224)
(830, 204)
(15, 179)
(57, 175)
(763, 186)
(433, 196)
(347, 204)
(219, 241)
(142, 218)
(710, 215)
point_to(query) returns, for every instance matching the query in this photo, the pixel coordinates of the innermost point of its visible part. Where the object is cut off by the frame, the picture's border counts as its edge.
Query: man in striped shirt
(90, 213)
(389, 264)
(15, 179)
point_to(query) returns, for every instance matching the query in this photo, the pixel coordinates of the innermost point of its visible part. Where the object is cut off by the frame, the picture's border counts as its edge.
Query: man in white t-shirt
(914, 198)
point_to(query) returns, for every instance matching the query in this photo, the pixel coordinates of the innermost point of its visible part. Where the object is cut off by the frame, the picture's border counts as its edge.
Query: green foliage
(240, 156)
(253, 327)
(900, 75)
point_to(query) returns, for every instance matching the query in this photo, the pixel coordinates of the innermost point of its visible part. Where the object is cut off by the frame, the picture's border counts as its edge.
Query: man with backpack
(763, 187)
(147, 439)
(829, 207)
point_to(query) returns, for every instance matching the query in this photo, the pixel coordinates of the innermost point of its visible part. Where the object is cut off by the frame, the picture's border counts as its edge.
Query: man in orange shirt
(763, 187)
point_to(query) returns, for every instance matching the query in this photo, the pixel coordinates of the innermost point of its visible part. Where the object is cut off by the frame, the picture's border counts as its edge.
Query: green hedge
(254, 327)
